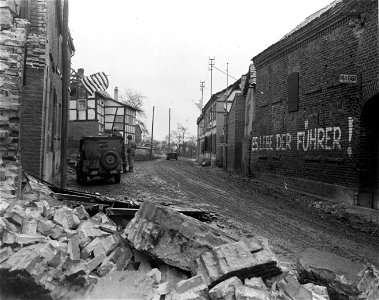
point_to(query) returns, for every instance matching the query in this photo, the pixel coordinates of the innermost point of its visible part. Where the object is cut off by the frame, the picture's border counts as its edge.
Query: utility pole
(202, 86)
(227, 75)
(169, 129)
(152, 135)
(65, 102)
(211, 64)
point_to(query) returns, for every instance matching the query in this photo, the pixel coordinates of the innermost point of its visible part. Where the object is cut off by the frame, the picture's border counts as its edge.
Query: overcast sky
(161, 47)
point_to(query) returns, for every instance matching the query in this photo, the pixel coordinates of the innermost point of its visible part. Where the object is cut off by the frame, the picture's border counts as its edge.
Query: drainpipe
(65, 109)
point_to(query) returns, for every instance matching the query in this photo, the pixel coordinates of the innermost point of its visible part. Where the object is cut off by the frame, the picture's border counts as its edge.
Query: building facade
(315, 121)
(41, 109)
(31, 92)
(210, 130)
(97, 113)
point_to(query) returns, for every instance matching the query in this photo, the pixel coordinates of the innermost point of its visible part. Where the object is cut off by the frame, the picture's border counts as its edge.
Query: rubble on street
(56, 252)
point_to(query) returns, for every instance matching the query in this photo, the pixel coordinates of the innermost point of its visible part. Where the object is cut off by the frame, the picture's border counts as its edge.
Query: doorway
(369, 155)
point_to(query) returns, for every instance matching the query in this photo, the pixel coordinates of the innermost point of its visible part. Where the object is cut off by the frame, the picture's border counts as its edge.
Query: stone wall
(12, 54)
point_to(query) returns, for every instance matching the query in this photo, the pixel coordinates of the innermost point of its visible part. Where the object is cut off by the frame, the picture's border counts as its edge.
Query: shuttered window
(293, 92)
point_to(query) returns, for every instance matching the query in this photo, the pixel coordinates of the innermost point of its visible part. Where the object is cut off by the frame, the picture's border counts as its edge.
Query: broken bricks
(171, 236)
(342, 276)
(236, 259)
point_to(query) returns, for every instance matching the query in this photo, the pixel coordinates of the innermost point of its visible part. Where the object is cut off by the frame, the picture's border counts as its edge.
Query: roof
(302, 30)
(105, 95)
(312, 17)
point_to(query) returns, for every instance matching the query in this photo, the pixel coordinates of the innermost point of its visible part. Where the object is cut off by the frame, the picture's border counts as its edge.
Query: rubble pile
(63, 253)
(58, 248)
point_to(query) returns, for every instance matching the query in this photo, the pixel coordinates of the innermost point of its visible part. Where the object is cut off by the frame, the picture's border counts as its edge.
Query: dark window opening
(293, 92)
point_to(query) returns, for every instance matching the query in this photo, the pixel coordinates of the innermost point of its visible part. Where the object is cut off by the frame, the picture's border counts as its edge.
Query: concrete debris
(226, 289)
(293, 289)
(244, 292)
(194, 288)
(156, 275)
(341, 276)
(319, 292)
(255, 282)
(236, 259)
(171, 236)
(65, 217)
(3, 207)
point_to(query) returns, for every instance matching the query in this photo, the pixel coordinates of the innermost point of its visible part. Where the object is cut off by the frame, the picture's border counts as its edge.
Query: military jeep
(99, 156)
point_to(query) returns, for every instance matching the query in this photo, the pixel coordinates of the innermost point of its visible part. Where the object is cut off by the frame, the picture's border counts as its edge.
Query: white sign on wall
(348, 78)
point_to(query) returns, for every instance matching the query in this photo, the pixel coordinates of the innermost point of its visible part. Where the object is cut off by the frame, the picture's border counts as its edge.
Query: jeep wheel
(110, 160)
(117, 178)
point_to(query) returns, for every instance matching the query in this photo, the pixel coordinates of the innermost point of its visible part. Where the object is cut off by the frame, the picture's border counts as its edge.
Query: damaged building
(33, 64)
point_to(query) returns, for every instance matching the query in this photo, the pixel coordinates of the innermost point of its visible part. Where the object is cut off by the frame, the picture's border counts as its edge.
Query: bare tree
(180, 134)
(135, 99)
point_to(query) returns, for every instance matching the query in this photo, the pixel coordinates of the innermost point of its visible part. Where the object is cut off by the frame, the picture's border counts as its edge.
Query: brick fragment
(235, 259)
(121, 256)
(45, 227)
(29, 226)
(5, 253)
(73, 247)
(3, 207)
(65, 217)
(225, 289)
(192, 288)
(248, 293)
(81, 213)
(342, 276)
(105, 268)
(293, 289)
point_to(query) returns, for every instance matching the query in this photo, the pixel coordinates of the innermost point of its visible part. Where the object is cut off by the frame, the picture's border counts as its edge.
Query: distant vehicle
(99, 156)
(173, 155)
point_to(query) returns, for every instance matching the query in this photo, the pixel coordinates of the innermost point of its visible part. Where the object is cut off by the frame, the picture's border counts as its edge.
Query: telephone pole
(152, 134)
(211, 64)
(227, 75)
(169, 129)
(202, 86)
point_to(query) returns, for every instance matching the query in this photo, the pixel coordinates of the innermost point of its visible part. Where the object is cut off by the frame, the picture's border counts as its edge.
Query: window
(81, 104)
(293, 92)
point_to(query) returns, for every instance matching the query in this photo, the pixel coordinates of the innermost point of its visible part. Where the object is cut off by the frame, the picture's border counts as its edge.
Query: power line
(225, 73)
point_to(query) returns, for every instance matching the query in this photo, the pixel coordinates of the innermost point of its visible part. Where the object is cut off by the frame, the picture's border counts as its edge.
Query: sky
(161, 48)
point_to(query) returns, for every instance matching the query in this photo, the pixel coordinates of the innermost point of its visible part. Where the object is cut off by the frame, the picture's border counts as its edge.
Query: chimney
(116, 93)
(80, 71)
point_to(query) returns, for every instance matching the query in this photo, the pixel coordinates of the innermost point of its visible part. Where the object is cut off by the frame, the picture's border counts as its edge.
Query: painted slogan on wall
(319, 138)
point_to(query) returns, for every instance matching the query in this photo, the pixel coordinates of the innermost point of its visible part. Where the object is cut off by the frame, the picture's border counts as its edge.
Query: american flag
(95, 82)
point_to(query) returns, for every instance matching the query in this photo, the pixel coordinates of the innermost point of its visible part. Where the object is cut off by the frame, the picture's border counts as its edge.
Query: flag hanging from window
(95, 82)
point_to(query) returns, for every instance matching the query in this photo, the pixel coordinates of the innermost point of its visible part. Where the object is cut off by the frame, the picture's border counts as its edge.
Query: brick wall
(319, 141)
(12, 49)
(32, 121)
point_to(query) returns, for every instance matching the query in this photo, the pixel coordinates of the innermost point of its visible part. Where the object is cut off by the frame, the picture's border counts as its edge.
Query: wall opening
(369, 155)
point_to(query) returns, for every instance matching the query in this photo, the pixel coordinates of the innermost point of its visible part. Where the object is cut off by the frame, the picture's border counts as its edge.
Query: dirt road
(245, 207)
